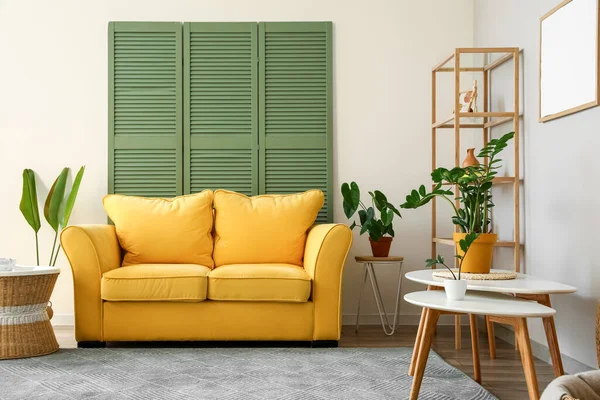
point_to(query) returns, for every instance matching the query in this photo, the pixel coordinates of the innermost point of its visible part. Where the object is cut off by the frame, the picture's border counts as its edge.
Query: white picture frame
(568, 63)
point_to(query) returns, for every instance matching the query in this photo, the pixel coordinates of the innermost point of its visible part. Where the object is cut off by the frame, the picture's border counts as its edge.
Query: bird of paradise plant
(57, 207)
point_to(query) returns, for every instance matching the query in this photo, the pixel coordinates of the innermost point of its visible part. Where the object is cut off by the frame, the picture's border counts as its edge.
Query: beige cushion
(583, 386)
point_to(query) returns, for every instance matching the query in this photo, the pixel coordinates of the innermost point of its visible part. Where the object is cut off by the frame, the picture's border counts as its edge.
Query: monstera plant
(380, 229)
(57, 207)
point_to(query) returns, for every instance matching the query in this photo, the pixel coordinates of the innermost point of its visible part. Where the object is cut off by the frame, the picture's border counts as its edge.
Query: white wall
(53, 104)
(560, 171)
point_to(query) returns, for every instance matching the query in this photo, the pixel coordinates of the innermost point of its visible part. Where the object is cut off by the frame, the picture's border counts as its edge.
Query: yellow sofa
(191, 302)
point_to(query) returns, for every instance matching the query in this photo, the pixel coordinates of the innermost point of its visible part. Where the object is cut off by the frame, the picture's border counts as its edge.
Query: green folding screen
(239, 106)
(145, 109)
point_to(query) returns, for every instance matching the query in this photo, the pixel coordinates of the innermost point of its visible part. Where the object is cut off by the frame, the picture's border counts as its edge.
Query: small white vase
(455, 289)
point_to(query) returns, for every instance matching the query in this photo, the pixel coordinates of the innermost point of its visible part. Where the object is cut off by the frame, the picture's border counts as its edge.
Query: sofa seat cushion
(155, 282)
(259, 282)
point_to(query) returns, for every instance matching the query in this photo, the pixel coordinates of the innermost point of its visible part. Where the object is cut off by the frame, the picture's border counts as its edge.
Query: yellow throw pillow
(163, 231)
(263, 229)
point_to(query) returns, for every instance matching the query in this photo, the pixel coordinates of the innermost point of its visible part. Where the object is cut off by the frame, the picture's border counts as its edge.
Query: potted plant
(381, 231)
(456, 288)
(474, 182)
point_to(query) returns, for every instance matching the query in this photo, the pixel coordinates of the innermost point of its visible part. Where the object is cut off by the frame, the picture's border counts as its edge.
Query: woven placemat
(492, 276)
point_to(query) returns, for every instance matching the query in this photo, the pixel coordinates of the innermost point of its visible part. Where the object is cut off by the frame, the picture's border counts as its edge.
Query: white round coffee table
(524, 286)
(508, 309)
(24, 324)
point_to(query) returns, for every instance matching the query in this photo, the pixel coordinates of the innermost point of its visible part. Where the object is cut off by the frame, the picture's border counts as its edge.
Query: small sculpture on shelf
(468, 99)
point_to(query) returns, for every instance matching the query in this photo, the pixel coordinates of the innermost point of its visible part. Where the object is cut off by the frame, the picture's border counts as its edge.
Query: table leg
(425, 346)
(385, 322)
(475, 347)
(527, 358)
(552, 338)
(550, 329)
(415, 354)
(457, 333)
(362, 289)
(491, 337)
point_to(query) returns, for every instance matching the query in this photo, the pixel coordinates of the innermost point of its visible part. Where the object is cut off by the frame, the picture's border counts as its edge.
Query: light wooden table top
(375, 260)
(479, 303)
(523, 284)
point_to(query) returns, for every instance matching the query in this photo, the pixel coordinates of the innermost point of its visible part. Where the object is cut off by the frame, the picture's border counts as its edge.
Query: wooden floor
(503, 376)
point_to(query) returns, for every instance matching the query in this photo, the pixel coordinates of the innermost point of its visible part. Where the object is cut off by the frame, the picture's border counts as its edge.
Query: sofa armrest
(91, 250)
(326, 249)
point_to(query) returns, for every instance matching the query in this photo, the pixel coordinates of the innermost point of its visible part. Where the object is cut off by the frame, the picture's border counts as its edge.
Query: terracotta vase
(381, 247)
(470, 160)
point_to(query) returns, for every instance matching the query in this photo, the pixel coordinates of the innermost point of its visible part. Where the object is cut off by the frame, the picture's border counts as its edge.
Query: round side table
(25, 328)
(368, 266)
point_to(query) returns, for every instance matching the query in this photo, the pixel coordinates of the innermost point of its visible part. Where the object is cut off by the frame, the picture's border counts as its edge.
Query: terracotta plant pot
(479, 257)
(381, 247)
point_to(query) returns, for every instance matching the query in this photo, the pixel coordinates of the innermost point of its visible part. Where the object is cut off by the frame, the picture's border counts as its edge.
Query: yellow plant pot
(479, 256)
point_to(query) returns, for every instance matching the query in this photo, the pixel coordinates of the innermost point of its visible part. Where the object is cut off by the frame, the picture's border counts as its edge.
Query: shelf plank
(450, 242)
(449, 122)
(499, 121)
(497, 181)
(498, 62)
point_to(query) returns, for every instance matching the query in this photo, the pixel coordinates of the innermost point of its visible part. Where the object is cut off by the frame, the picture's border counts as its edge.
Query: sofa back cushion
(163, 231)
(263, 229)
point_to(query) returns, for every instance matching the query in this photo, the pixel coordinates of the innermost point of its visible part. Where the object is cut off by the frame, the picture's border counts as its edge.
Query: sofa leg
(91, 345)
(324, 343)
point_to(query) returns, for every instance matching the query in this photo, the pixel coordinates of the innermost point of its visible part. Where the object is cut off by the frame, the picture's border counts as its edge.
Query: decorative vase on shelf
(470, 160)
(455, 289)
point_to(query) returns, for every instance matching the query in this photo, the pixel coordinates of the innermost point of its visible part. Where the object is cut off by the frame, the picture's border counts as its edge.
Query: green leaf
(440, 259)
(390, 231)
(70, 202)
(376, 230)
(430, 263)
(394, 210)
(362, 214)
(349, 202)
(370, 214)
(387, 216)
(422, 190)
(29, 202)
(55, 199)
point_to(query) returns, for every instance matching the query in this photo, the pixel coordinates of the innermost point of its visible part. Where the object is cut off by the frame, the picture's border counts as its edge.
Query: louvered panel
(221, 169)
(145, 82)
(221, 99)
(296, 109)
(145, 108)
(150, 173)
(297, 170)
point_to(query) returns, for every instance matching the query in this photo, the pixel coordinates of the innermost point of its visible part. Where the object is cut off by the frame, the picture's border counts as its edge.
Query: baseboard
(63, 320)
(347, 319)
(373, 319)
(539, 350)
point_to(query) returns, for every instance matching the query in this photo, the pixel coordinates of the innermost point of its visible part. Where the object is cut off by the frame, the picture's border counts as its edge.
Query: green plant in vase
(474, 185)
(57, 207)
(380, 230)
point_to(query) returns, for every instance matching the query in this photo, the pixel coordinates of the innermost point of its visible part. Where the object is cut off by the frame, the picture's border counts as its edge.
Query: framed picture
(568, 70)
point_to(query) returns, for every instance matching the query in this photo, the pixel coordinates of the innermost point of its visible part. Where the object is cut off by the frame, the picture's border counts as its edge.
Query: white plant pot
(455, 289)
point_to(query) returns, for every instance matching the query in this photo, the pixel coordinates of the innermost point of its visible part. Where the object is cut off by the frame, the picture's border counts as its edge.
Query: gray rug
(230, 374)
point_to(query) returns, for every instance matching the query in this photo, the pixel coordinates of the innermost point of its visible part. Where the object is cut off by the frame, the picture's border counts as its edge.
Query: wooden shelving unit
(485, 120)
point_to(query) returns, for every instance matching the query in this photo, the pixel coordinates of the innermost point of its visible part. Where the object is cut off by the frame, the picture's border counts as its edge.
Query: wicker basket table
(25, 329)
